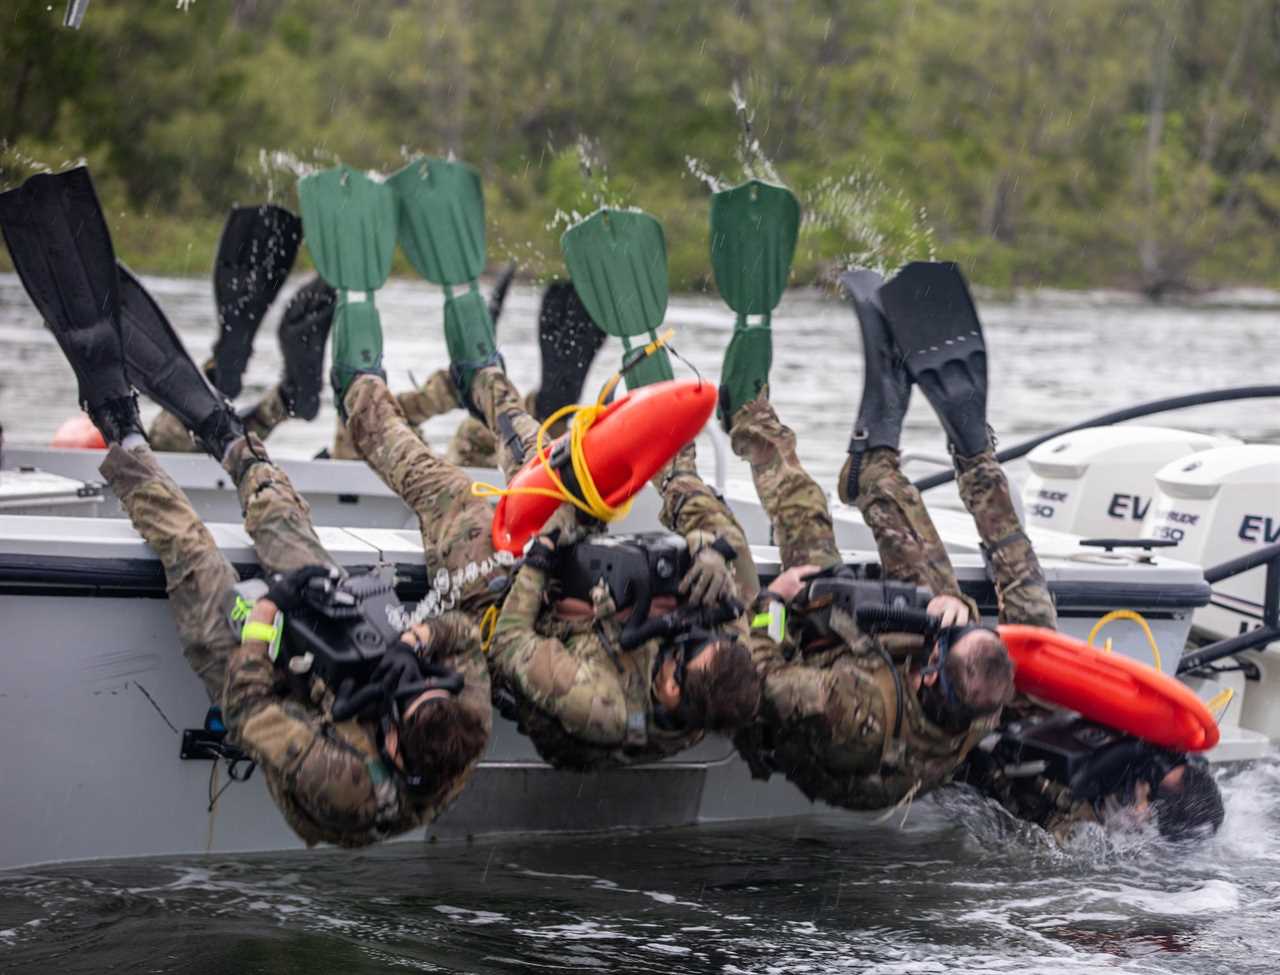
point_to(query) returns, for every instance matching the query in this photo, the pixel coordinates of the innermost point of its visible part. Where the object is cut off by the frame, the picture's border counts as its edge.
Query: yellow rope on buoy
(585, 415)
(1128, 614)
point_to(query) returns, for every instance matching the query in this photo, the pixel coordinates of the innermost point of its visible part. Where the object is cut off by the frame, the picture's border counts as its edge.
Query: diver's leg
(796, 506)
(473, 445)
(275, 515)
(910, 549)
(689, 504)
(267, 414)
(503, 409)
(1021, 588)
(167, 434)
(456, 526)
(197, 575)
(434, 397)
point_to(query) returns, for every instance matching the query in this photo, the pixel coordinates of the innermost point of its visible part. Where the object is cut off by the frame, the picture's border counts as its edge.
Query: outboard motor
(1098, 483)
(1219, 505)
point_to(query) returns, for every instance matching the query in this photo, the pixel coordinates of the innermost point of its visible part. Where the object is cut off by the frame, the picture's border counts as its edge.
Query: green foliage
(1096, 142)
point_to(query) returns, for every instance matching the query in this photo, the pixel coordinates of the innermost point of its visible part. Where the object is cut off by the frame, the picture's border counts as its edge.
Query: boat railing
(1268, 632)
(1118, 416)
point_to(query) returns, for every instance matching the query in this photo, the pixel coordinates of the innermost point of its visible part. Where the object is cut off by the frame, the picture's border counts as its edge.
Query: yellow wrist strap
(268, 633)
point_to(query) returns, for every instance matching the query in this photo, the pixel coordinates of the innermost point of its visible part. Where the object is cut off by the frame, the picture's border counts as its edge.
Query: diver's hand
(543, 552)
(285, 588)
(951, 610)
(399, 665)
(709, 580)
(789, 584)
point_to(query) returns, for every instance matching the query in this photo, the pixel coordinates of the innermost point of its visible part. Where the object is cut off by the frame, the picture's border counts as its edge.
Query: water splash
(881, 228)
(276, 163)
(751, 155)
(16, 165)
(702, 173)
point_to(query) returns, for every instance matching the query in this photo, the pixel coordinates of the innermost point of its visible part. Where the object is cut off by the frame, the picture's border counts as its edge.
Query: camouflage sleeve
(455, 643)
(576, 683)
(325, 776)
(689, 505)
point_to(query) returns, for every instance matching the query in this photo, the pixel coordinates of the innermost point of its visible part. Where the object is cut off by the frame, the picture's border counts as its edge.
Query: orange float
(1110, 689)
(627, 444)
(79, 433)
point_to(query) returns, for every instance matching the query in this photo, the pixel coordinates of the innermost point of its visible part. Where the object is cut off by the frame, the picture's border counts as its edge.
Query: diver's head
(1187, 802)
(435, 739)
(707, 680)
(969, 675)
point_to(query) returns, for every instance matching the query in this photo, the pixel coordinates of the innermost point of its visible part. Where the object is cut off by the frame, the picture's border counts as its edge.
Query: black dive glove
(287, 589)
(399, 665)
(543, 552)
(709, 580)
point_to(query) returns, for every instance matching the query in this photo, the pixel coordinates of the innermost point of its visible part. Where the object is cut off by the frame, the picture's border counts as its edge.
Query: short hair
(979, 669)
(440, 739)
(725, 694)
(1190, 808)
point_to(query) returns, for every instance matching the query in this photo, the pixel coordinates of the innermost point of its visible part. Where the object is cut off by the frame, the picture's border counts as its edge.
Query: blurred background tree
(1126, 143)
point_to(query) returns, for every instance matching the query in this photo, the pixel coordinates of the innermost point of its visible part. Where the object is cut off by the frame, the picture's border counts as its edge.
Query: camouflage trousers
(1021, 589)
(167, 433)
(796, 506)
(197, 575)
(909, 545)
(472, 444)
(456, 526)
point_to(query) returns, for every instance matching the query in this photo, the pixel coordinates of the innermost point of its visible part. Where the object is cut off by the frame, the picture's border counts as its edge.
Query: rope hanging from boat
(1132, 616)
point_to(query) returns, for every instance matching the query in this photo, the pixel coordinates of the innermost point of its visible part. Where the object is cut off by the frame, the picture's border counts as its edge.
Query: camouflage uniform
(585, 703)
(329, 780)
(168, 434)
(472, 444)
(843, 723)
(456, 526)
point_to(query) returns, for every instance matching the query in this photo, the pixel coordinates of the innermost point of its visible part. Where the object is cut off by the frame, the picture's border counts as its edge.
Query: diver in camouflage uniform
(584, 704)
(348, 782)
(863, 720)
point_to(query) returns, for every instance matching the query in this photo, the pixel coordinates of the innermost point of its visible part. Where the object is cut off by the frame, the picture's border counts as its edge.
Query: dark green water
(959, 888)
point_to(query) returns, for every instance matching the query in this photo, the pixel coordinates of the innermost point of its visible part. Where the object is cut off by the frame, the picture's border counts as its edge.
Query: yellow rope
(488, 625)
(584, 416)
(1128, 614)
(1217, 704)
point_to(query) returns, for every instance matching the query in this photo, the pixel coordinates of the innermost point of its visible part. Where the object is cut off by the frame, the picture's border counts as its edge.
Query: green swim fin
(754, 228)
(618, 262)
(349, 222)
(440, 208)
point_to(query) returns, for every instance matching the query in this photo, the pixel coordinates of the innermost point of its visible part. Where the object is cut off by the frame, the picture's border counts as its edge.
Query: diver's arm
(323, 774)
(578, 685)
(452, 640)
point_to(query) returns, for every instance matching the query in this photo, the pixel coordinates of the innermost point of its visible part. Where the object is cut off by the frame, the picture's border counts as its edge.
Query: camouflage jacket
(585, 703)
(844, 726)
(330, 779)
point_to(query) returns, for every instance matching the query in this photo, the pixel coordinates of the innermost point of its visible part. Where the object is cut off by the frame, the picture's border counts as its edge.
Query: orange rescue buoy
(1113, 690)
(627, 444)
(78, 432)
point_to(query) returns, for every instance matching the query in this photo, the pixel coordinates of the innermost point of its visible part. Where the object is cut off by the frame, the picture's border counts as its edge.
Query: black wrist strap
(723, 546)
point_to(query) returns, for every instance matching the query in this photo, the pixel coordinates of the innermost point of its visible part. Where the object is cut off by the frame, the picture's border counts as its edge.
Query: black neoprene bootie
(304, 329)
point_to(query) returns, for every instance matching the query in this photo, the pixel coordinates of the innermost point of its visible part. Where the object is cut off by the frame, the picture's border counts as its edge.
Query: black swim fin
(159, 365)
(886, 384)
(498, 296)
(255, 254)
(61, 248)
(935, 324)
(569, 341)
(304, 329)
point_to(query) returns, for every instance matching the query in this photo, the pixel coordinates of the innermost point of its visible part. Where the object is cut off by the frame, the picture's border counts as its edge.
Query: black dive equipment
(873, 604)
(341, 631)
(1093, 761)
